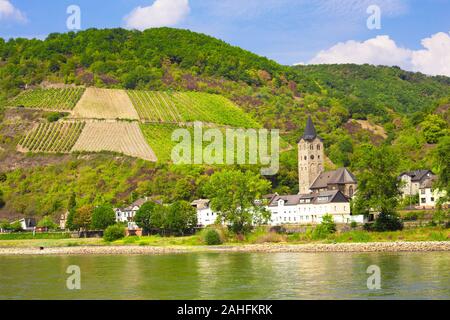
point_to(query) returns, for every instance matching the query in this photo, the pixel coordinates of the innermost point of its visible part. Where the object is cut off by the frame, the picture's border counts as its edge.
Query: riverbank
(425, 246)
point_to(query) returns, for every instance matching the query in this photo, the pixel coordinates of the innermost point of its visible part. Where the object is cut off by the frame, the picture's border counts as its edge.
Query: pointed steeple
(310, 130)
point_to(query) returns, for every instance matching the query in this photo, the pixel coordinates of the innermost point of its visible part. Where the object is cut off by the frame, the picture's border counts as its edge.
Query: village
(321, 193)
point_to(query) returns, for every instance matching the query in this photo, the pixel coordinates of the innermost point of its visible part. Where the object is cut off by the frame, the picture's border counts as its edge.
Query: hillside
(165, 77)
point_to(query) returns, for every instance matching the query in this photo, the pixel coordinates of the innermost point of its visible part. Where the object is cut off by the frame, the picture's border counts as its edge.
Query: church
(320, 192)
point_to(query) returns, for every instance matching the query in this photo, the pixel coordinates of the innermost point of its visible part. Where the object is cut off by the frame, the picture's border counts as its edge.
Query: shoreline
(425, 246)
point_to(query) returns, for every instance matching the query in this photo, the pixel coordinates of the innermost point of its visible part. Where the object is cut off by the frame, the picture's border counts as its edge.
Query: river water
(228, 276)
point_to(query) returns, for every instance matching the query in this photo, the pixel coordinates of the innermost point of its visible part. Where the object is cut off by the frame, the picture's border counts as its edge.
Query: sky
(412, 34)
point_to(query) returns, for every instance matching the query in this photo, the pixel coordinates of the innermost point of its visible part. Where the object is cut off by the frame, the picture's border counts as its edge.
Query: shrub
(271, 237)
(113, 233)
(55, 116)
(387, 222)
(324, 229)
(354, 224)
(47, 222)
(212, 237)
(16, 227)
(278, 229)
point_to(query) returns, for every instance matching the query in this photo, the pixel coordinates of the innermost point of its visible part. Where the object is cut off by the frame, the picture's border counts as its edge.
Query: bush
(48, 223)
(324, 229)
(354, 224)
(387, 222)
(113, 233)
(212, 237)
(278, 229)
(271, 237)
(55, 116)
(16, 227)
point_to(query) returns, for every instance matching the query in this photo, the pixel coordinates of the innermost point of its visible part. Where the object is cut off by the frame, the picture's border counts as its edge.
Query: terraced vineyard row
(175, 107)
(52, 137)
(53, 99)
(115, 136)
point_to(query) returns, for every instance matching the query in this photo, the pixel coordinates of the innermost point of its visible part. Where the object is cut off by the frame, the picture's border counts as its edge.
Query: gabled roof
(201, 204)
(316, 198)
(339, 176)
(428, 183)
(417, 175)
(310, 131)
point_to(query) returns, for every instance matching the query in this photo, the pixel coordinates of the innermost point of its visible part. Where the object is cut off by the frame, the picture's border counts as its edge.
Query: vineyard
(51, 99)
(114, 136)
(159, 137)
(176, 107)
(105, 104)
(52, 137)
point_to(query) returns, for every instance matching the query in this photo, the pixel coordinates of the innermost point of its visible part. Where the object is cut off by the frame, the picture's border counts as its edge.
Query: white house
(429, 196)
(127, 214)
(412, 181)
(310, 208)
(205, 215)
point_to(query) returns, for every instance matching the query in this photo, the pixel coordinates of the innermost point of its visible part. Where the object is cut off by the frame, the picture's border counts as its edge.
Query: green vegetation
(176, 218)
(378, 186)
(103, 217)
(212, 237)
(406, 106)
(57, 137)
(324, 229)
(114, 232)
(181, 107)
(233, 194)
(36, 236)
(52, 99)
(48, 223)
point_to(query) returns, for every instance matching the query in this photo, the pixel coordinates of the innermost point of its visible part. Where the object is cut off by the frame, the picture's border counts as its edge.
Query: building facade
(412, 180)
(310, 157)
(428, 195)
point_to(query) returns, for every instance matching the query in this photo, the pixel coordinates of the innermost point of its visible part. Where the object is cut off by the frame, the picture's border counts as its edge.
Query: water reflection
(229, 276)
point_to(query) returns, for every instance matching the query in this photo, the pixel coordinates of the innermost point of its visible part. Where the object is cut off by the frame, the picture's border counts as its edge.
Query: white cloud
(162, 13)
(434, 59)
(9, 12)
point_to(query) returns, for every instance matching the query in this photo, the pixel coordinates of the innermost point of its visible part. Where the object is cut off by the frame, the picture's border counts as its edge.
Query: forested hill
(350, 105)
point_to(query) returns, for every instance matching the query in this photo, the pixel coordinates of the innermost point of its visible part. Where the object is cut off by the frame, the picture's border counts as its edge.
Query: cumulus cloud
(162, 13)
(9, 12)
(434, 59)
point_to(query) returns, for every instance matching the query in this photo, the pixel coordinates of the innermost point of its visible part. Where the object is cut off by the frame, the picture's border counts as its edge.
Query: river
(424, 275)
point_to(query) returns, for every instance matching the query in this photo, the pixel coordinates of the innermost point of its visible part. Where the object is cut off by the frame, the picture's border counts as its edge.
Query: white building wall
(429, 197)
(206, 217)
(312, 213)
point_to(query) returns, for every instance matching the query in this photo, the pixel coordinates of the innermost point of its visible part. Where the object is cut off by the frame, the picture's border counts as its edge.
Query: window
(306, 158)
(318, 147)
(423, 200)
(312, 157)
(422, 191)
(432, 199)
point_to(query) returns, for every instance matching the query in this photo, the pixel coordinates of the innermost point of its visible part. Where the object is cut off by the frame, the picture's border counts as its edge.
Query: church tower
(310, 157)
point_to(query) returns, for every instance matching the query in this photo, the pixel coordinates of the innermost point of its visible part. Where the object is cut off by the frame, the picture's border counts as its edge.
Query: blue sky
(288, 31)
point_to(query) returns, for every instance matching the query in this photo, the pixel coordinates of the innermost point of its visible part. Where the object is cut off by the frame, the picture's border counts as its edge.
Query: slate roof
(339, 176)
(417, 175)
(310, 131)
(292, 200)
(429, 182)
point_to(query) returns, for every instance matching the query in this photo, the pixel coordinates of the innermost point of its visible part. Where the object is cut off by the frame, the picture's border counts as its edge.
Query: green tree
(70, 221)
(433, 128)
(103, 217)
(378, 186)
(150, 216)
(16, 227)
(2, 201)
(180, 216)
(233, 195)
(47, 222)
(83, 217)
(442, 163)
